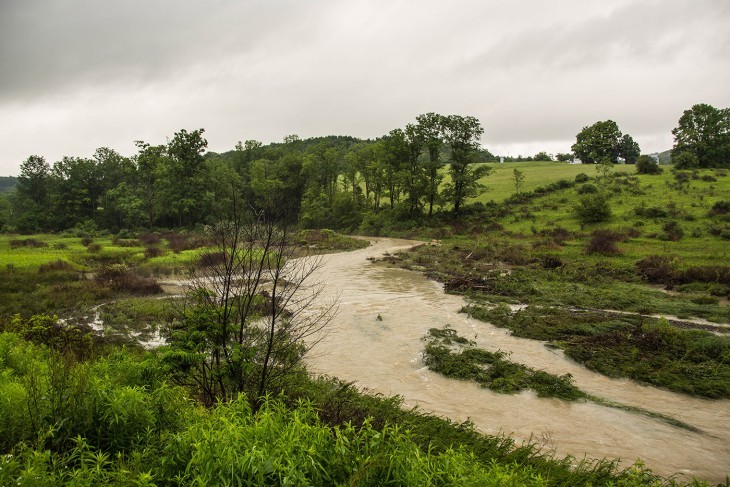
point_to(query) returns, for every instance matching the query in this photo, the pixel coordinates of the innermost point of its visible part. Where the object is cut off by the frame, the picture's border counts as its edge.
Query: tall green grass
(113, 420)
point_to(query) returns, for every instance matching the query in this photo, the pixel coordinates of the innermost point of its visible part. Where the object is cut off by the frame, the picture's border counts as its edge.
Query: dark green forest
(337, 182)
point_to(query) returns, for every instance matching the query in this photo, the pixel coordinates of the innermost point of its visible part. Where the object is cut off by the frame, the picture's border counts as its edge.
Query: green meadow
(32, 251)
(500, 182)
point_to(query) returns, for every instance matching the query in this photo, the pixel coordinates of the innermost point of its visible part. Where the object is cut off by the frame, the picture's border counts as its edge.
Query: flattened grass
(651, 351)
(501, 184)
(453, 356)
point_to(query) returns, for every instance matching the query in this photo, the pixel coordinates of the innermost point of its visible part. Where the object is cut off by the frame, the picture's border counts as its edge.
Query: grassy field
(32, 251)
(500, 183)
(641, 205)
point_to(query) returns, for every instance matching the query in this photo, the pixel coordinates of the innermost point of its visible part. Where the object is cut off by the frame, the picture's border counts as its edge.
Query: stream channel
(384, 356)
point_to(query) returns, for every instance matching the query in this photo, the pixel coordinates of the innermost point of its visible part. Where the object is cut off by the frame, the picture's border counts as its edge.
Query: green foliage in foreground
(652, 351)
(113, 420)
(456, 357)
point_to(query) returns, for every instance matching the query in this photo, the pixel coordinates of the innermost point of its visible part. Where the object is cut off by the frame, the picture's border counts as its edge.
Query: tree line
(337, 181)
(326, 181)
(701, 140)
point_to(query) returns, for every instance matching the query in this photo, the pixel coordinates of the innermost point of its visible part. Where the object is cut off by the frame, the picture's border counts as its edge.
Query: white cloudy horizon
(78, 75)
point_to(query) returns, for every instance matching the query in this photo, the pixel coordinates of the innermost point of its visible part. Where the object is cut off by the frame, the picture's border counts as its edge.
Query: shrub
(493, 226)
(709, 273)
(587, 189)
(647, 165)
(180, 241)
(150, 252)
(27, 242)
(685, 160)
(559, 234)
(85, 241)
(604, 241)
(681, 178)
(56, 265)
(210, 259)
(650, 211)
(672, 231)
(593, 208)
(559, 184)
(150, 238)
(93, 247)
(47, 330)
(581, 177)
(125, 242)
(720, 208)
(658, 269)
(120, 278)
(552, 262)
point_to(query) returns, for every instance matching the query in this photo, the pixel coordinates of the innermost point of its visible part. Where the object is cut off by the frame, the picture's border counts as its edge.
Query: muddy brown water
(384, 355)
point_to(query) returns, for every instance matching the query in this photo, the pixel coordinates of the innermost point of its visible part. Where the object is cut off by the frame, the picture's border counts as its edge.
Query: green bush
(650, 211)
(593, 208)
(658, 269)
(604, 242)
(720, 208)
(587, 189)
(685, 160)
(647, 165)
(672, 231)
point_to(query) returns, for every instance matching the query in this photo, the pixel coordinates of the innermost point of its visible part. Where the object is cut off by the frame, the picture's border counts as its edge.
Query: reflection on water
(376, 342)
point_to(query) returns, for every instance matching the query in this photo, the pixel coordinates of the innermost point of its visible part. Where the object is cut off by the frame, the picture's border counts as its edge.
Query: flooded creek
(376, 341)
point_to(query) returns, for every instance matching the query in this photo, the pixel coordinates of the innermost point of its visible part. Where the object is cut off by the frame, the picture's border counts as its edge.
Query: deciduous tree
(704, 131)
(431, 127)
(252, 312)
(598, 142)
(519, 178)
(31, 199)
(463, 134)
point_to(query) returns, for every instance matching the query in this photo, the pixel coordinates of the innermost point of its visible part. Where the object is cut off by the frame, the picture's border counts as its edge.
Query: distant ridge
(7, 183)
(665, 157)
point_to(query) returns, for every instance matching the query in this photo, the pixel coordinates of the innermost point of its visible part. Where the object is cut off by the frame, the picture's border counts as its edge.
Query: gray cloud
(51, 46)
(80, 74)
(642, 32)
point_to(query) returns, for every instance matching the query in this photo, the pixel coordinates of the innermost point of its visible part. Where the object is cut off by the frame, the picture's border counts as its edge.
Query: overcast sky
(76, 75)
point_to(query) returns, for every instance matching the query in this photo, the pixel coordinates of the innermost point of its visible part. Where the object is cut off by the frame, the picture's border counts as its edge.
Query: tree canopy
(603, 141)
(334, 181)
(703, 132)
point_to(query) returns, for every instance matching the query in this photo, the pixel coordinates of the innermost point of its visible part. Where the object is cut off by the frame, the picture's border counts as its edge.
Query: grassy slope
(691, 208)
(500, 183)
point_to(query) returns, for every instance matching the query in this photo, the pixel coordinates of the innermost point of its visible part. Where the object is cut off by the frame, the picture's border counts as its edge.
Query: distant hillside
(268, 150)
(7, 183)
(665, 157)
